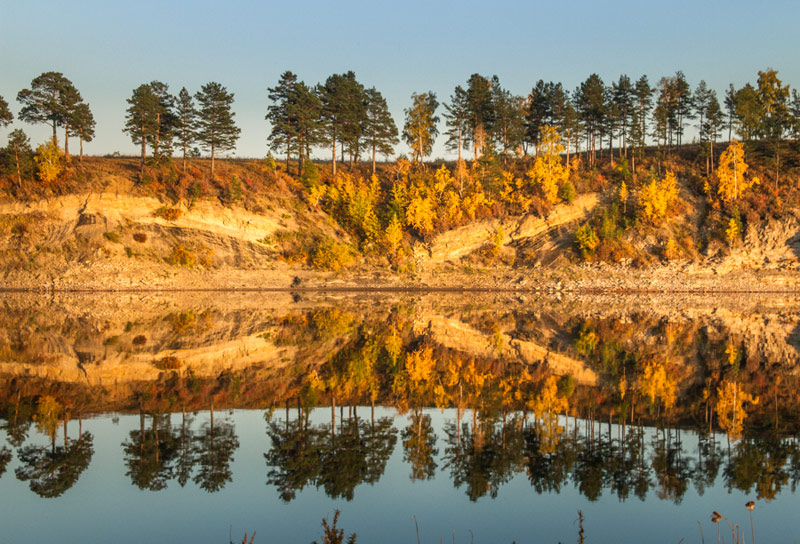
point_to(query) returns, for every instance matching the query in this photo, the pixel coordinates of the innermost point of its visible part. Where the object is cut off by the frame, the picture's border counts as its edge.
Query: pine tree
(683, 102)
(730, 108)
(590, 104)
(279, 115)
(509, 119)
(480, 118)
(186, 121)
(749, 112)
(141, 120)
(340, 113)
(51, 100)
(6, 117)
(420, 129)
(643, 94)
(712, 125)
(166, 120)
(538, 112)
(305, 114)
(19, 146)
(623, 97)
(455, 116)
(216, 128)
(380, 130)
(83, 125)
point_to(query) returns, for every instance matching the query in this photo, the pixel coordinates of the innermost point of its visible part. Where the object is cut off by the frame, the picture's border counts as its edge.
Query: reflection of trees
(53, 470)
(215, 445)
(19, 417)
(294, 458)
(548, 468)
(185, 453)
(709, 460)
(484, 455)
(419, 446)
(672, 469)
(381, 440)
(150, 454)
(337, 461)
(761, 464)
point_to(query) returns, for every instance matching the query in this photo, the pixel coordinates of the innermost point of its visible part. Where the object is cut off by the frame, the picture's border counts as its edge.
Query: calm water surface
(498, 419)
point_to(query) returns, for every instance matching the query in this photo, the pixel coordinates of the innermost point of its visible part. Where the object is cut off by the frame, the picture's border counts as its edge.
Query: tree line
(351, 119)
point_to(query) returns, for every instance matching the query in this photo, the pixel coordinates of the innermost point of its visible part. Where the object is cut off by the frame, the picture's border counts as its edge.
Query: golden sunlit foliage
(656, 384)
(48, 413)
(548, 172)
(731, 173)
(549, 400)
(730, 407)
(656, 198)
(49, 161)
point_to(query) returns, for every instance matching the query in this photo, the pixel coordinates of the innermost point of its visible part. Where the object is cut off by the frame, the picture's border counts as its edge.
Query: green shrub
(567, 192)
(586, 240)
(181, 256)
(328, 254)
(168, 214)
(168, 363)
(111, 237)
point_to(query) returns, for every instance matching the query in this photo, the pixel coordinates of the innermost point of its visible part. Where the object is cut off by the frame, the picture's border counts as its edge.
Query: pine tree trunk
(66, 141)
(333, 157)
(144, 152)
(16, 158)
(156, 154)
(212, 161)
(373, 158)
(81, 142)
(300, 158)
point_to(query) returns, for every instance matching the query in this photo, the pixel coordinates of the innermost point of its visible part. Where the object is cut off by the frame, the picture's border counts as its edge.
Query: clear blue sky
(108, 47)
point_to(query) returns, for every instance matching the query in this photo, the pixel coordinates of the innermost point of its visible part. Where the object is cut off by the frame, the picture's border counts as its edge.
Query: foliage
(731, 173)
(168, 214)
(328, 254)
(656, 198)
(586, 240)
(420, 129)
(168, 363)
(548, 173)
(332, 534)
(182, 256)
(730, 407)
(657, 384)
(49, 161)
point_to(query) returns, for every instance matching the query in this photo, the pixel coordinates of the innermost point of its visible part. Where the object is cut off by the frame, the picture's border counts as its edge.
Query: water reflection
(622, 399)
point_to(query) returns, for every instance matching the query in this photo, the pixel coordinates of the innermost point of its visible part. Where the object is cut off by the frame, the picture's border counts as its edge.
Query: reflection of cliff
(455, 334)
(252, 349)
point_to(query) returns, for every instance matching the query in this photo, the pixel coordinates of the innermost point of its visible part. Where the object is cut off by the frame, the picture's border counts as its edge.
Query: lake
(448, 417)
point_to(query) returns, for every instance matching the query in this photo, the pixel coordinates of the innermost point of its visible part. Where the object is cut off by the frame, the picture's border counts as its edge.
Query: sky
(107, 48)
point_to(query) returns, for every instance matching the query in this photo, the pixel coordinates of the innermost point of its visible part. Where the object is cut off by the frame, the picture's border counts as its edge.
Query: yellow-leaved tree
(420, 213)
(547, 405)
(731, 173)
(49, 161)
(393, 235)
(656, 198)
(730, 407)
(548, 173)
(656, 383)
(442, 180)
